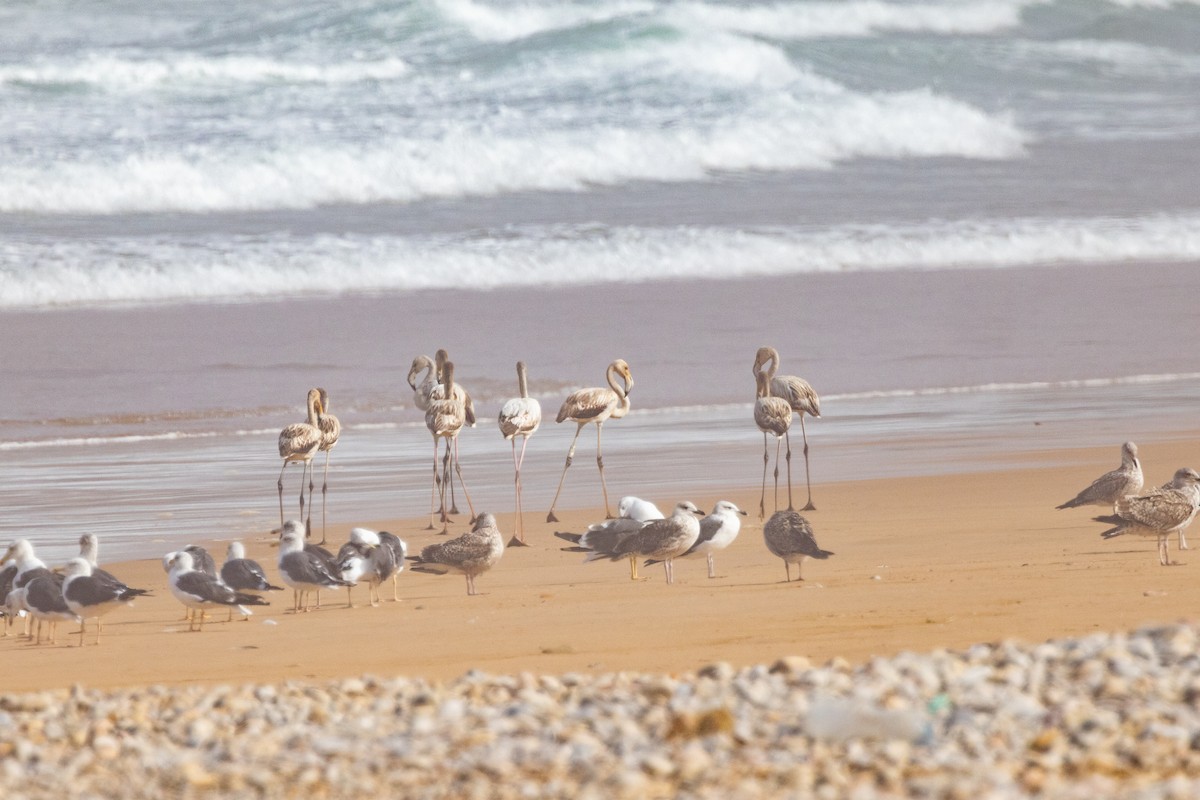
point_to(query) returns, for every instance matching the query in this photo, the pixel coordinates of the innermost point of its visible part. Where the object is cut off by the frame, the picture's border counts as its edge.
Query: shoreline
(921, 564)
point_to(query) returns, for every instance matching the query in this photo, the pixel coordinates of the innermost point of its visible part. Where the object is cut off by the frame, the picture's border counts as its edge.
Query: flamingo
(773, 415)
(520, 416)
(431, 389)
(331, 429)
(595, 405)
(445, 418)
(802, 398)
(300, 441)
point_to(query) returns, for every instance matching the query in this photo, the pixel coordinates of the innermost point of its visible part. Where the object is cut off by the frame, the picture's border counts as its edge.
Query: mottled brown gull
(1158, 513)
(790, 536)
(657, 540)
(472, 554)
(1114, 484)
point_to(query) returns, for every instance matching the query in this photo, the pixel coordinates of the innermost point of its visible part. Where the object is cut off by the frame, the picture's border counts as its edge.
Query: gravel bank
(1095, 716)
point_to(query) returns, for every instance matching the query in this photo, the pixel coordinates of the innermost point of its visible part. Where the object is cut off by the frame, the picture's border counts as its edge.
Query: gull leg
(711, 567)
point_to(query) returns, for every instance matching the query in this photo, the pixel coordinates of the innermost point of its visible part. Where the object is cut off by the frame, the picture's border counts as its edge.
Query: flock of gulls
(1158, 513)
(80, 590)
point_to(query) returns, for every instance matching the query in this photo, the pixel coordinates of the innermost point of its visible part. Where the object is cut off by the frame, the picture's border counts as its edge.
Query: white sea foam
(854, 17)
(62, 272)
(115, 73)
(511, 21)
(777, 133)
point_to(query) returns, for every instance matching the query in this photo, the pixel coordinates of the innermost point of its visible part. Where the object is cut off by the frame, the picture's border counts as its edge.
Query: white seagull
(200, 591)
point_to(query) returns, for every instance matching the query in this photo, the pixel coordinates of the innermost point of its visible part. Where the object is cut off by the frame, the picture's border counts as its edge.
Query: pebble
(1103, 715)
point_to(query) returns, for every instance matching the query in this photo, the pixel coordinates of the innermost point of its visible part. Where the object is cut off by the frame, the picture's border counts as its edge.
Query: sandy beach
(920, 564)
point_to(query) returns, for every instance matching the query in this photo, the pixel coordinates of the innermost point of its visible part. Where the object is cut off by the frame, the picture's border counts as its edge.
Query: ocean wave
(58, 272)
(115, 73)
(512, 21)
(855, 18)
(782, 133)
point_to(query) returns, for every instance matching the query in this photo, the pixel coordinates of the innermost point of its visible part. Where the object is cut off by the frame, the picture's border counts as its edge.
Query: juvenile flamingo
(802, 398)
(445, 418)
(773, 415)
(331, 429)
(595, 405)
(300, 441)
(520, 416)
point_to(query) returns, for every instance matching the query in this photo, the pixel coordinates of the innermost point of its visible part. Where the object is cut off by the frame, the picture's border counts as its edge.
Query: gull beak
(743, 513)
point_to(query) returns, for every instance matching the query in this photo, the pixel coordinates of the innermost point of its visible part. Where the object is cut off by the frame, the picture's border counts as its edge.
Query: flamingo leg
(324, 491)
(280, 484)
(570, 457)
(807, 480)
(788, 440)
(446, 482)
(519, 539)
(762, 498)
(778, 446)
(303, 475)
(600, 464)
(458, 472)
(433, 487)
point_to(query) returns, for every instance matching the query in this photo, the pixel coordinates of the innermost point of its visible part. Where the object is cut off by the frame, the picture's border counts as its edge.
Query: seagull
(45, 603)
(1114, 484)
(301, 569)
(472, 554)
(243, 574)
(790, 536)
(199, 591)
(29, 566)
(201, 560)
(399, 553)
(633, 513)
(717, 531)
(88, 594)
(365, 557)
(1178, 482)
(657, 540)
(632, 507)
(1158, 513)
(10, 611)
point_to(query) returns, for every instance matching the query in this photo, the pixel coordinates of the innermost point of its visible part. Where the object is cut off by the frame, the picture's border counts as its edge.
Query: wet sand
(921, 563)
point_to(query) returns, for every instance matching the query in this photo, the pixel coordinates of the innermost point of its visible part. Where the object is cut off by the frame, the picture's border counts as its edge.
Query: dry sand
(920, 564)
